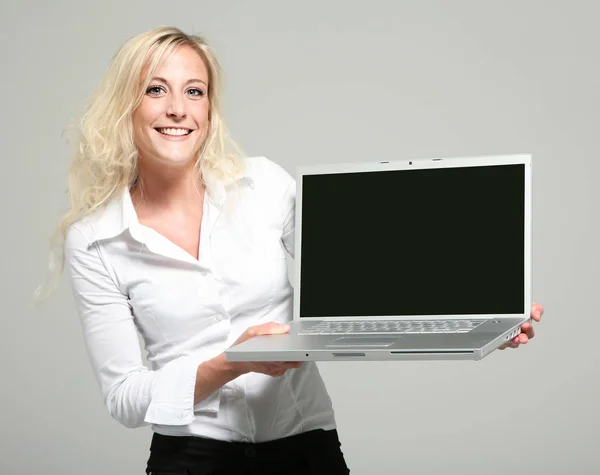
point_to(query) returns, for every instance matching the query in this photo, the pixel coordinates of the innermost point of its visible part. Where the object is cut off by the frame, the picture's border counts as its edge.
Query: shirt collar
(119, 214)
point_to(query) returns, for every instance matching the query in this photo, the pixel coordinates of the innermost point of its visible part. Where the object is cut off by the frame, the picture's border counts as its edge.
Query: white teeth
(176, 132)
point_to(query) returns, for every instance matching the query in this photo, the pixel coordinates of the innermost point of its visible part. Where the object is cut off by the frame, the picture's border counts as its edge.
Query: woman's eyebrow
(163, 80)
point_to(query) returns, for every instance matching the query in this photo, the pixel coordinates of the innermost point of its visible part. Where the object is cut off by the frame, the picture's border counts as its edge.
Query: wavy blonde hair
(105, 158)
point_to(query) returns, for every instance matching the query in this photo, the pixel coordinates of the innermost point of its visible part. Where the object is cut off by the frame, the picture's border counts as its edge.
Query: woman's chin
(171, 162)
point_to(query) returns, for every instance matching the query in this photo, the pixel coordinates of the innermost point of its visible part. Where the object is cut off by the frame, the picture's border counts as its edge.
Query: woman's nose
(176, 107)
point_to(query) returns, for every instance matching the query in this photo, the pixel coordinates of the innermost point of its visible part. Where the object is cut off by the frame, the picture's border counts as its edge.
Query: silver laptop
(402, 260)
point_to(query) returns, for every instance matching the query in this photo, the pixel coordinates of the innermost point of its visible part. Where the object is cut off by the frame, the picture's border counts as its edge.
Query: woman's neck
(169, 189)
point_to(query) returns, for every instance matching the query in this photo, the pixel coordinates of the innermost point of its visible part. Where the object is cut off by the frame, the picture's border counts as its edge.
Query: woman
(173, 235)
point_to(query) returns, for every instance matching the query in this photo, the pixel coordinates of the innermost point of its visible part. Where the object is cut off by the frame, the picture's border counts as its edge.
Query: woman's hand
(274, 369)
(527, 332)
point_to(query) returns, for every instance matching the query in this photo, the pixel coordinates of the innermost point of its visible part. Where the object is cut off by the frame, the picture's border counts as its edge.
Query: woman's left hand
(527, 332)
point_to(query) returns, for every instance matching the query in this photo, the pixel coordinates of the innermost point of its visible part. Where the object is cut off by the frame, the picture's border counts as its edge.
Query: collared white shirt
(128, 278)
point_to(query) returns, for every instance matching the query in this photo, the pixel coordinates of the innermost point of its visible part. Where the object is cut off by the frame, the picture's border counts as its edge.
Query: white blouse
(127, 278)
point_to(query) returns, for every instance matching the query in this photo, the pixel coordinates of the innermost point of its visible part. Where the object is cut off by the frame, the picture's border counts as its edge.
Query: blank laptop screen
(447, 241)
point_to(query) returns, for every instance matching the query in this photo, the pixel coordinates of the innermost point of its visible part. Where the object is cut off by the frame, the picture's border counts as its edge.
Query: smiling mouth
(173, 132)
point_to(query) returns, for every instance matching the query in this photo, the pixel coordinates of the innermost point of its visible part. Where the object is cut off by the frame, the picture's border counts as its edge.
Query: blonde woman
(172, 233)
(175, 235)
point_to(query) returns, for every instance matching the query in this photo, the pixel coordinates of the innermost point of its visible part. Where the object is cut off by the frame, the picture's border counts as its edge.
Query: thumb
(275, 328)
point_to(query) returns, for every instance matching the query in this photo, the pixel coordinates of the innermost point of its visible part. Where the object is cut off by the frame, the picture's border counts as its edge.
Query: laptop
(424, 259)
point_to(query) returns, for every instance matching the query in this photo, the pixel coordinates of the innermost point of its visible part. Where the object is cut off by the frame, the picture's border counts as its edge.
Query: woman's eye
(196, 92)
(154, 90)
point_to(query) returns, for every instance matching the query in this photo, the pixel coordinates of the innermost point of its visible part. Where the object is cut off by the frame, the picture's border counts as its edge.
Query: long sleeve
(289, 213)
(133, 395)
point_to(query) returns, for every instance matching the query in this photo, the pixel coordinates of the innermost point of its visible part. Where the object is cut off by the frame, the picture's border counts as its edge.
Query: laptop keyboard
(372, 327)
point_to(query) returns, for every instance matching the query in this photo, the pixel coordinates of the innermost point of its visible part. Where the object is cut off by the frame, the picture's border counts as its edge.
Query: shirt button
(244, 439)
(203, 272)
(219, 317)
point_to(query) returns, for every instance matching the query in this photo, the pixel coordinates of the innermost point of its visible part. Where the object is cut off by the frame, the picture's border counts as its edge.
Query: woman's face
(172, 120)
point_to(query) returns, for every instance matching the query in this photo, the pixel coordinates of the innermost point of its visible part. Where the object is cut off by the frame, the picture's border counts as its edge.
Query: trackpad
(362, 341)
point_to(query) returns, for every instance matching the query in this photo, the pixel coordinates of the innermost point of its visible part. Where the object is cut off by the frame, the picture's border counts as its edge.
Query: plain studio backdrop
(330, 81)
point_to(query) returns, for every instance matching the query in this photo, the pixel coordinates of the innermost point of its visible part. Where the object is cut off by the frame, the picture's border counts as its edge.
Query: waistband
(192, 446)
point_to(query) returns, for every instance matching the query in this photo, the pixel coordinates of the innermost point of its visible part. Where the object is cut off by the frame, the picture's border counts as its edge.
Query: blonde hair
(105, 155)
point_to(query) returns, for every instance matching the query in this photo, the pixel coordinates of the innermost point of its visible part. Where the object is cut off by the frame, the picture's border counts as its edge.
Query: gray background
(310, 82)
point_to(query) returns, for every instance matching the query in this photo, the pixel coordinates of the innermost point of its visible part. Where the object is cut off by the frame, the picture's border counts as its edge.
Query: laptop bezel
(411, 164)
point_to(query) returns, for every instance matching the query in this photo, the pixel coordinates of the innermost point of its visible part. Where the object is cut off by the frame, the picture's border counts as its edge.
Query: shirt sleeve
(289, 219)
(134, 395)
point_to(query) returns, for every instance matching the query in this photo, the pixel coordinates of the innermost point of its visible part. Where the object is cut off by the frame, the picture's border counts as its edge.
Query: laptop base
(471, 346)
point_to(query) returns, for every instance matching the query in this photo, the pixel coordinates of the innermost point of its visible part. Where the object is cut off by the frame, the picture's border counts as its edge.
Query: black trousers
(315, 452)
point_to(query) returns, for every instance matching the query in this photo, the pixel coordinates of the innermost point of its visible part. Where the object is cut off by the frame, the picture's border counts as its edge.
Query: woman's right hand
(274, 369)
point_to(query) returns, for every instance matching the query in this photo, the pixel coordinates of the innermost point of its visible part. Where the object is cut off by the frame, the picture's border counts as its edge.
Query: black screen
(413, 242)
